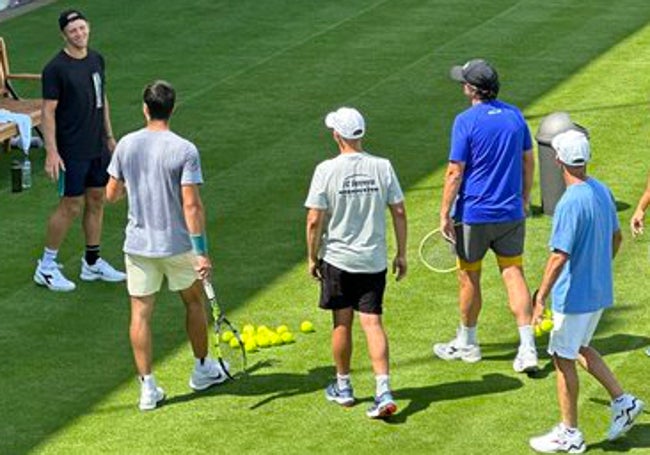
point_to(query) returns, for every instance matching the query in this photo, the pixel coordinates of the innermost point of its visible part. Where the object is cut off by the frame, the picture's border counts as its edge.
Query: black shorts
(82, 174)
(364, 292)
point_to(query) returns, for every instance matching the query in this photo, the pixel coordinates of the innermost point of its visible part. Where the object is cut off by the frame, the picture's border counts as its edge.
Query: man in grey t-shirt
(165, 235)
(346, 240)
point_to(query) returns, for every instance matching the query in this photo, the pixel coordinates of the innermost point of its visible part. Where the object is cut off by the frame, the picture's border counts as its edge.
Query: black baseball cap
(68, 16)
(476, 72)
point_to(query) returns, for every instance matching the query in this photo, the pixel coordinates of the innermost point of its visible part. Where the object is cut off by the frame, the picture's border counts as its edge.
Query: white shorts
(571, 332)
(144, 275)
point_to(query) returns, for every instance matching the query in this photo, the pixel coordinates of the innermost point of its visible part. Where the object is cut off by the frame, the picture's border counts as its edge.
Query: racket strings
(438, 253)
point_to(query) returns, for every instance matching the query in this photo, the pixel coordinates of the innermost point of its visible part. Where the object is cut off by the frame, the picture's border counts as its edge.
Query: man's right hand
(203, 266)
(447, 228)
(538, 304)
(636, 223)
(314, 269)
(53, 163)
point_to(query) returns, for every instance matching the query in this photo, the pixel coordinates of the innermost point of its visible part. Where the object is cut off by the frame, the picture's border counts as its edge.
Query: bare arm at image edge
(314, 232)
(398, 214)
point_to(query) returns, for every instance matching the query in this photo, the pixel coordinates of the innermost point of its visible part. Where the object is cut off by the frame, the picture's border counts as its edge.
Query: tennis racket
(438, 253)
(232, 354)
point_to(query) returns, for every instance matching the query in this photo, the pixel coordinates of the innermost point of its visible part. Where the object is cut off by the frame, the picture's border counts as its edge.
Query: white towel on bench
(24, 123)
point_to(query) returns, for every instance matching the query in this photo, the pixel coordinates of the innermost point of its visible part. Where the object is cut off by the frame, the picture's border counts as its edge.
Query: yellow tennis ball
(548, 314)
(546, 325)
(248, 328)
(234, 342)
(306, 327)
(262, 341)
(281, 329)
(262, 329)
(227, 336)
(250, 346)
(287, 337)
(538, 330)
(275, 339)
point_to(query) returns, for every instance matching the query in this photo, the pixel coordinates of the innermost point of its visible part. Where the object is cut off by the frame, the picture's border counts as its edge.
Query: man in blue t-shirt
(578, 275)
(487, 183)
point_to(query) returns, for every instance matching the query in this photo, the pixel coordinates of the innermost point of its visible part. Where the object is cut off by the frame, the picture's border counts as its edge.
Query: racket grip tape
(209, 290)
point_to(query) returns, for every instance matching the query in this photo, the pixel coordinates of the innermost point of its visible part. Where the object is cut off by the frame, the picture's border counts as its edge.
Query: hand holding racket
(232, 358)
(438, 251)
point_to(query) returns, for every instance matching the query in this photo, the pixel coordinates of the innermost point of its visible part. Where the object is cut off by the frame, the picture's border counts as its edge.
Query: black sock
(92, 254)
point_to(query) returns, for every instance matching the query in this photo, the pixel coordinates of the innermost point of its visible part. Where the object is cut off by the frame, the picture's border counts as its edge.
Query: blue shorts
(82, 174)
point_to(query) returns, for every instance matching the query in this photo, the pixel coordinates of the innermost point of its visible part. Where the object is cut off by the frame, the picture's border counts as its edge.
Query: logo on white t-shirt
(358, 184)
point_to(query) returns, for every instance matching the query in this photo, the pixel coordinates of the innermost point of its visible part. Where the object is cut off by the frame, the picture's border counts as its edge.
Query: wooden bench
(10, 100)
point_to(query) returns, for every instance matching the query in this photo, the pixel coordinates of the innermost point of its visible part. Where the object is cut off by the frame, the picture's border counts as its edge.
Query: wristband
(199, 244)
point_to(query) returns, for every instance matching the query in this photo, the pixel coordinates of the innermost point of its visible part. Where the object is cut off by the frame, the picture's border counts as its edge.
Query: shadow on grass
(637, 438)
(420, 398)
(279, 385)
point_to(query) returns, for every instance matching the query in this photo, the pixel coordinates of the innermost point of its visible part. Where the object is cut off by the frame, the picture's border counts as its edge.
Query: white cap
(346, 121)
(572, 148)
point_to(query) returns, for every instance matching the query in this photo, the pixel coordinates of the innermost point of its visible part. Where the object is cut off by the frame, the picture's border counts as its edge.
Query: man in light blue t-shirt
(485, 196)
(578, 275)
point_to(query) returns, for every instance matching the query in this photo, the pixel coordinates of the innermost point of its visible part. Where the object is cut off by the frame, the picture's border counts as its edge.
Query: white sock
(206, 362)
(527, 336)
(467, 335)
(343, 381)
(49, 257)
(148, 381)
(383, 384)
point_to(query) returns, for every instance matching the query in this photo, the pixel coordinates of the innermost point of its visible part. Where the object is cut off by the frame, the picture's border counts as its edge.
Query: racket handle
(209, 290)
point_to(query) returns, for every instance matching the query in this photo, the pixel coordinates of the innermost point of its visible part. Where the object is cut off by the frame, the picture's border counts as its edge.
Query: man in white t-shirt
(165, 235)
(346, 242)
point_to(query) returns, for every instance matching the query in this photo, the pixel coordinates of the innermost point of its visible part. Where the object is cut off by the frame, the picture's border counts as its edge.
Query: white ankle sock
(49, 257)
(343, 381)
(527, 336)
(383, 384)
(148, 381)
(467, 335)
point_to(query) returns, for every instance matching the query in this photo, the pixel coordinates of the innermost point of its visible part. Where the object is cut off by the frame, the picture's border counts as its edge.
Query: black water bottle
(16, 176)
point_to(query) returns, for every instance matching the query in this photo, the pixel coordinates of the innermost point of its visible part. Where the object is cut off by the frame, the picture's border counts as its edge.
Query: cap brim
(456, 73)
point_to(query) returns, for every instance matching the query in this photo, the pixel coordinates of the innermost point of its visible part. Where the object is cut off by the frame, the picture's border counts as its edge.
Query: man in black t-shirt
(78, 142)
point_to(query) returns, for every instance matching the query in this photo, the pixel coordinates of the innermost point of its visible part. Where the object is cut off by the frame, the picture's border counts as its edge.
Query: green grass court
(255, 78)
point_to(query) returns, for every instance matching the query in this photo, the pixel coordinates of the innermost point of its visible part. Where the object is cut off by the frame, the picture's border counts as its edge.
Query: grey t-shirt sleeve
(394, 191)
(115, 166)
(191, 173)
(317, 197)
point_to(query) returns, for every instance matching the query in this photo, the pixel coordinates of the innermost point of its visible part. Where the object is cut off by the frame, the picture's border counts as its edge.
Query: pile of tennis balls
(264, 337)
(546, 325)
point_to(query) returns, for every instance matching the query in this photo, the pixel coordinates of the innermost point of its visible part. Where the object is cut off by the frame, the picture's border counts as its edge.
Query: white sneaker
(52, 278)
(101, 270)
(150, 398)
(559, 440)
(525, 361)
(624, 410)
(453, 351)
(206, 375)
